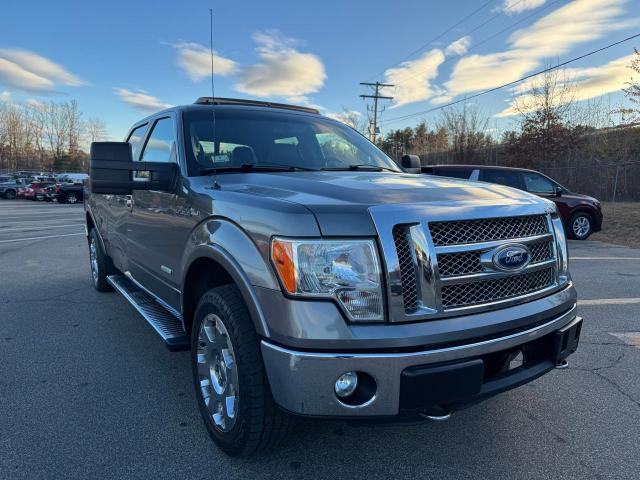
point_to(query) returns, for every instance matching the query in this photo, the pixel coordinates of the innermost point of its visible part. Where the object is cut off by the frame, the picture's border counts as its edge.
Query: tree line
(46, 136)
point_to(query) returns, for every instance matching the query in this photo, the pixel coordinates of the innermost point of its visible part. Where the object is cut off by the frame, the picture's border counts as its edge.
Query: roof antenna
(213, 87)
(216, 185)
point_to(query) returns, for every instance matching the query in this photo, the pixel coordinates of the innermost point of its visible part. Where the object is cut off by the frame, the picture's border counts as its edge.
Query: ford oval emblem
(511, 258)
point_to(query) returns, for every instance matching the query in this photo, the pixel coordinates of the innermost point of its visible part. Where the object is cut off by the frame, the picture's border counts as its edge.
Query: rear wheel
(72, 198)
(10, 194)
(100, 263)
(231, 386)
(581, 226)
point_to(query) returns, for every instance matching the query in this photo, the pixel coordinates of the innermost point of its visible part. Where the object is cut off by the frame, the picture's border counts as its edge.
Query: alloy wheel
(71, 198)
(581, 226)
(93, 257)
(217, 372)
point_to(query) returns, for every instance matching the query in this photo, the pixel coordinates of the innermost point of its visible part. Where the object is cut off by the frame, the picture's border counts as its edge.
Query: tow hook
(562, 364)
(436, 414)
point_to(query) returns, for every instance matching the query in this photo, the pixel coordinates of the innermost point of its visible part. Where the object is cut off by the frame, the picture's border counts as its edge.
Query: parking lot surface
(87, 389)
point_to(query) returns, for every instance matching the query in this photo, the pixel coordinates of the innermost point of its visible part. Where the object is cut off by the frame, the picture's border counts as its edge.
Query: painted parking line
(40, 238)
(609, 301)
(604, 258)
(41, 227)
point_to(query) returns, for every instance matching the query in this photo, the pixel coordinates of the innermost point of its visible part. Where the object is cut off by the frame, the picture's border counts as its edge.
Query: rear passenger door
(116, 210)
(157, 227)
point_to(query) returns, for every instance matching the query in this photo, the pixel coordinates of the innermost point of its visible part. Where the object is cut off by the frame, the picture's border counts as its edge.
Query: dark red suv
(581, 214)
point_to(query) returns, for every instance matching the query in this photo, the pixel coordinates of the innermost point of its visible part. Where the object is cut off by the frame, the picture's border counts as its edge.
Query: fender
(228, 245)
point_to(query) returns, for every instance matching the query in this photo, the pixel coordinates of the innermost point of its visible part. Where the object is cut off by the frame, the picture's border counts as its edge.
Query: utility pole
(373, 127)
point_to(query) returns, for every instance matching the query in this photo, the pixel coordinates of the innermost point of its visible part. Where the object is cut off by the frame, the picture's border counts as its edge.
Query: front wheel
(581, 226)
(231, 386)
(10, 194)
(72, 198)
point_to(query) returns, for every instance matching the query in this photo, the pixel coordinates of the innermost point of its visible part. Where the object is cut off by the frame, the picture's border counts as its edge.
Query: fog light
(346, 384)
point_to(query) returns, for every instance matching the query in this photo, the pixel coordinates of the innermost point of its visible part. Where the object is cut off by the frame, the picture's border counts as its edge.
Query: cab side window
(536, 183)
(161, 144)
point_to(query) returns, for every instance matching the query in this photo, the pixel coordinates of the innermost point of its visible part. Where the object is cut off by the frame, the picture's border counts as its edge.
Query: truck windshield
(241, 138)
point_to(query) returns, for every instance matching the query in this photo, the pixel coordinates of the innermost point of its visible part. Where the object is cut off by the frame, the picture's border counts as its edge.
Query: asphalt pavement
(87, 389)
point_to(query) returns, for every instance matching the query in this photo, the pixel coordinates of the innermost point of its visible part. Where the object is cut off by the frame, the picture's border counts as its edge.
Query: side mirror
(112, 170)
(557, 191)
(411, 163)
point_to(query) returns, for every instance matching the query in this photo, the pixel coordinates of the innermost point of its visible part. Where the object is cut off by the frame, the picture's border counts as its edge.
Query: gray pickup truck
(309, 275)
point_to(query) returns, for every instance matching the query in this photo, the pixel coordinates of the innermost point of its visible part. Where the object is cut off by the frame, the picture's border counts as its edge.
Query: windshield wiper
(256, 167)
(360, 166)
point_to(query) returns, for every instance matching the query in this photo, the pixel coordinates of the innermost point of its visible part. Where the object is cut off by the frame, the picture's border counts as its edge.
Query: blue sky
(121, 60)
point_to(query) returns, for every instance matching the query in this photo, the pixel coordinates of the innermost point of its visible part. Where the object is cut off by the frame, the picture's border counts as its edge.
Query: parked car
(309, 275)
(581, 214)
(37, 190)
(65, 193)
(23, 191)
(9, 187)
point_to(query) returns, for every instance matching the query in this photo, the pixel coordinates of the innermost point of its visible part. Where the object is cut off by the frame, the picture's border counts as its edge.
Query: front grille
(465, 294)
(451, 264)
(408, 279)
(466, 263)
(486, 230)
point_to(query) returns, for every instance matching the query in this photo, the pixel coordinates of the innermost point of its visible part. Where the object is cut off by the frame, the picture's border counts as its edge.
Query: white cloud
(413, 78)
(140, 100)
(5, 96)
(283, 70)
(584, 83)
(513, 7)
(555, 34)
(28, 71)
(459, 47)
(195, 60)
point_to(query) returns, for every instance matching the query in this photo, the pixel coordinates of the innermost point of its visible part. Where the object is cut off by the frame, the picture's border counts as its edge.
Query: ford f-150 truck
(309, 275)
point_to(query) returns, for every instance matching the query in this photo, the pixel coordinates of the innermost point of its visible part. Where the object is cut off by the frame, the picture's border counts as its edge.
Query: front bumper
(303, 382)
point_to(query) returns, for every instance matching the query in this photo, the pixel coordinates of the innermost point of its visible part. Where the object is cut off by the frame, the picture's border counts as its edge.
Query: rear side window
(534, 182)
(161, 145)
(503, 177)
(135, 139)
(463, 173)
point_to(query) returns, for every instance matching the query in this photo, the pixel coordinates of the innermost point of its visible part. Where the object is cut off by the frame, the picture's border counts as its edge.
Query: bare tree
(96, 129)
(466, 131)
(632, 92)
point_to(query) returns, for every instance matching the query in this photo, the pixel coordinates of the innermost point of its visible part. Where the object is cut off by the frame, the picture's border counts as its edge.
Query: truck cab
(309, 275)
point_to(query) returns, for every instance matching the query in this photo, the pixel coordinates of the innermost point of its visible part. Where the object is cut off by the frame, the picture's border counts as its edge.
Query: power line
(438, 37)
(373, 127)
(491, 37)
(508, 84)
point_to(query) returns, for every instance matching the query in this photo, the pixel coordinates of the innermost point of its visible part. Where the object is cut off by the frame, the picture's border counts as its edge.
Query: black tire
(10, 194)
(259, 423)
(103, 264)
(71, 198)
(580, 226)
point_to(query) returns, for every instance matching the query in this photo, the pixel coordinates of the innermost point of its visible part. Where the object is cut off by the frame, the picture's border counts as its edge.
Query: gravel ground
(87, 390)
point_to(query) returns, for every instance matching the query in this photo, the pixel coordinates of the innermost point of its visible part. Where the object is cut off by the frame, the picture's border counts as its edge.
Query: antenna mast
(213, 88)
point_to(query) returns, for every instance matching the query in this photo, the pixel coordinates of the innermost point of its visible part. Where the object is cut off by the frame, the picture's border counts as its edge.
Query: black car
(65, 193)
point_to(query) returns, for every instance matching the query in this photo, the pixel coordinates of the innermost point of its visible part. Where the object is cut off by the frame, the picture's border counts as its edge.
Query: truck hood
(341, 200)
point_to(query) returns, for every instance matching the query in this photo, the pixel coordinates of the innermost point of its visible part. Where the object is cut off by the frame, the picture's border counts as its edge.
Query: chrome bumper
(303, 382)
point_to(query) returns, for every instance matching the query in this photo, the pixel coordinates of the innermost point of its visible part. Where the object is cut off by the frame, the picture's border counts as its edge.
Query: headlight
(348, 271)
(562, 248)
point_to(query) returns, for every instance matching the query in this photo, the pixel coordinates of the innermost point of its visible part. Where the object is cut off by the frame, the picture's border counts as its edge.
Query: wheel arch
(220, 253)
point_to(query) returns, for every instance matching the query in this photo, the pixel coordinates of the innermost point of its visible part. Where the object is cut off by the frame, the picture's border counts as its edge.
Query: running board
(163, 322)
